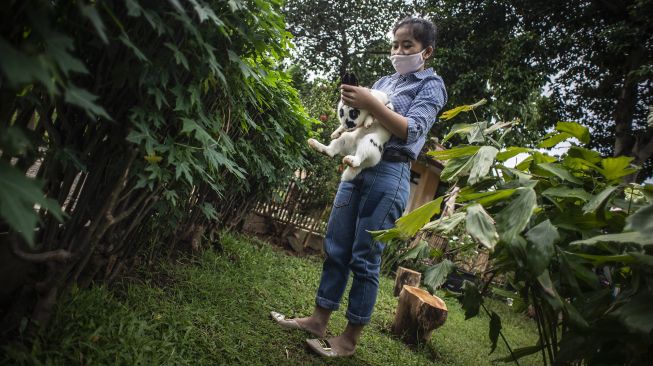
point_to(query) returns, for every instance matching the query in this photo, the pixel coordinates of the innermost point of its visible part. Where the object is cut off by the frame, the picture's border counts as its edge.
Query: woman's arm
(359, 97)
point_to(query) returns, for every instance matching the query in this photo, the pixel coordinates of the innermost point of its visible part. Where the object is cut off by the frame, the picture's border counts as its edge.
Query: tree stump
(408, 277)
(418, 314)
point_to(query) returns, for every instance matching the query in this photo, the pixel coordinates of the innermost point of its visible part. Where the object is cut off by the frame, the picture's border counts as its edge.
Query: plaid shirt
(419, 97)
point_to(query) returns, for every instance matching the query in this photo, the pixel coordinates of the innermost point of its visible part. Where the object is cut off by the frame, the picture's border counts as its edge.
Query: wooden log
(418, 314)
(408, 277)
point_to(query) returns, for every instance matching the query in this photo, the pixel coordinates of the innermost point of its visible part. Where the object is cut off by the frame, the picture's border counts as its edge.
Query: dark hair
(421, 29)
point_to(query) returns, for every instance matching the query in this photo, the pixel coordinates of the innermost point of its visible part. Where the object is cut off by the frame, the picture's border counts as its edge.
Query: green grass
(215, 311)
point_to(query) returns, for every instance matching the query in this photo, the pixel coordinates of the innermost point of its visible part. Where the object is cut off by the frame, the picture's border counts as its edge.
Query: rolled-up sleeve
(425, 107)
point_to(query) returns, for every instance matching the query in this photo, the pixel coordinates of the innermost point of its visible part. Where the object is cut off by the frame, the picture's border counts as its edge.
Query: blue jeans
(371, 201)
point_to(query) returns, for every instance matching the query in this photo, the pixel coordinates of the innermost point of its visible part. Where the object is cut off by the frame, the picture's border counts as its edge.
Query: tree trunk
(418, 314)
(408, 277)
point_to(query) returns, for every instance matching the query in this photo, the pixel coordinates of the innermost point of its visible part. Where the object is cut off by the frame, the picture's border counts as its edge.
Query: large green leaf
(518, 353)
(576, 130)
(560, 172)
(615, 168)
(436, 275)
(514, 217)
(406, 226)
(86, 101)
(541, 248)
(481, 226)
(511, 152)
(456, 166)
(445, 224)
(482, 162)
(451, 113)
(487, 198)
(566, 192)
(588, 155)
(641, 220)
(457, 129)
(553, 140)
(633, 237)
(599, 200)
(636, 314)
(18, 196)
(457, 152)
(544, 279)
(471, 299)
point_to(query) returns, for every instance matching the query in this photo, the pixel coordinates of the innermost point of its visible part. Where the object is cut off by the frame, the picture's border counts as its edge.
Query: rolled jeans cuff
(326, 303)
(357, 320)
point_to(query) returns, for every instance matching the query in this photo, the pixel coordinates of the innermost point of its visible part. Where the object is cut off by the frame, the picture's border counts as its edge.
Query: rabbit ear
(354, 80)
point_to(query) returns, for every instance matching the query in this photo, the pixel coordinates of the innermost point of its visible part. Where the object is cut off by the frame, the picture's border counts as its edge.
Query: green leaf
(471, 299)
(86, 101)
(476, 135)
(641, 220)
(458, 129)
(456, 166)
(487, 199)
(482, 162)
(576, 130)
(18, 196)
(407, 225)
(436, 275)
(588, 155)
(445, 224)
(541, 248)
(566, 192)
(560, 172)
(495, 329)
(636, 313)
(554, 140)
(92, 15)
(451, 113)
(601, 259)
(513, 218)
(481, 226)
(457, 152)
(629, 237)
(544, 279)
(599, 200)
(415, 251)
(511, 152)
(615, 168)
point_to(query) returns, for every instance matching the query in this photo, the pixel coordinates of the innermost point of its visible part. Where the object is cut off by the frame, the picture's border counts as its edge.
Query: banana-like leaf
(486, 198)
(481, 226)
(460, 151)
(554, 140)
(482, 162)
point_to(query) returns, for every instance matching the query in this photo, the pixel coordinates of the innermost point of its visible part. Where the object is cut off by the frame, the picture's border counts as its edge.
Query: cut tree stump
(418, 314)
(408, 277)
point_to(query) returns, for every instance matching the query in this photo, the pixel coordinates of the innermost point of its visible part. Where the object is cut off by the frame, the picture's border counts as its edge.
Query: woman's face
(404, 43)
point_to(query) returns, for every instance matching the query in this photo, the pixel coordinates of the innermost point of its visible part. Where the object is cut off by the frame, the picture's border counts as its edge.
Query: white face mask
(405, 64)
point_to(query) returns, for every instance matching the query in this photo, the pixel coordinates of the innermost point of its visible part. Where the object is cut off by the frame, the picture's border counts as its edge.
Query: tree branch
(59, 255)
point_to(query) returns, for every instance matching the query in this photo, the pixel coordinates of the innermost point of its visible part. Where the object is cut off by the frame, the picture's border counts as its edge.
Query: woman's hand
(357, 97)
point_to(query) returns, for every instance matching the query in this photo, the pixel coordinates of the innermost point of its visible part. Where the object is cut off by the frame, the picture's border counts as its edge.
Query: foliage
(150, 123)
(601, 54)
(349, 36)
(568, 234)
(198, 312)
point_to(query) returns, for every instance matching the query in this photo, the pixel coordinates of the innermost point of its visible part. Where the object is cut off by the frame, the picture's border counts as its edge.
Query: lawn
(214, 310)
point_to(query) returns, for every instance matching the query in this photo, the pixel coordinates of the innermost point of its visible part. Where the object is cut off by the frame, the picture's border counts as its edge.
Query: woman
(379, 194)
